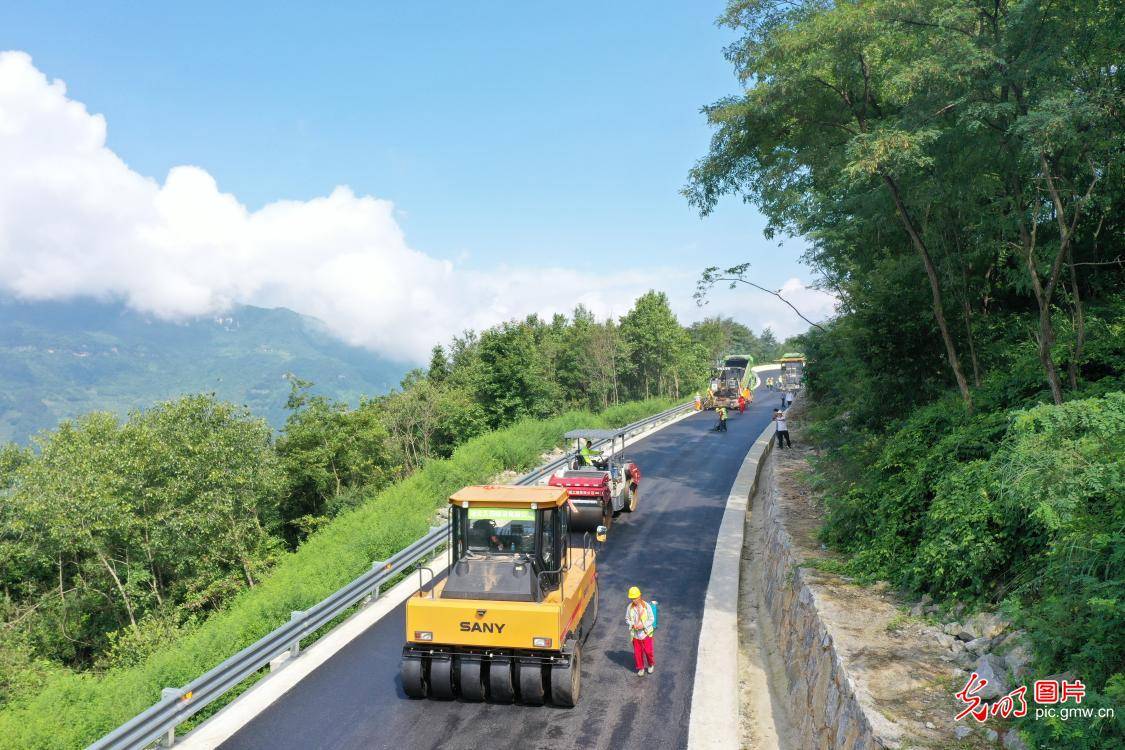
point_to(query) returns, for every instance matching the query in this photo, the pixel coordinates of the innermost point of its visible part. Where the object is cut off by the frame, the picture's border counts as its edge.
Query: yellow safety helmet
(634, 592)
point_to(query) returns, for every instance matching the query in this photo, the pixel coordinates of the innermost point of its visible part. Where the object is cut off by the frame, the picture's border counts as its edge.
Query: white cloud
(76, 220)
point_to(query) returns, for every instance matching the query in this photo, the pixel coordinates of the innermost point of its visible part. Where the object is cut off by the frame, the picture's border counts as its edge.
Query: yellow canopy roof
(510, 495)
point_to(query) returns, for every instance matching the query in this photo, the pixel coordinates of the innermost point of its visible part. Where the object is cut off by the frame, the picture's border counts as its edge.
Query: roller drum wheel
(586, 518)
(441, 678)
(501, 687)
(532, 690)
(471, 672)
(413, 674)
(566, 680)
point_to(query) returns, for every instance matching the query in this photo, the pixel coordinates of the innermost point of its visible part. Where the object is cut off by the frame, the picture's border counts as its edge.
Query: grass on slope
(73, 709)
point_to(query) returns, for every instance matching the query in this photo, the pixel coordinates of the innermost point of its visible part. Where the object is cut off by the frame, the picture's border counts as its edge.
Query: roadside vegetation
(957, 168)
(137, 554)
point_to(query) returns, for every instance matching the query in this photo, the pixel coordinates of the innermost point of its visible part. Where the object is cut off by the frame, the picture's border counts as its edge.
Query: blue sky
(505, 133)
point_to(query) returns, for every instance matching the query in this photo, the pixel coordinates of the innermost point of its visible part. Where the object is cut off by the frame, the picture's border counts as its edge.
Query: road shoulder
(715, 701)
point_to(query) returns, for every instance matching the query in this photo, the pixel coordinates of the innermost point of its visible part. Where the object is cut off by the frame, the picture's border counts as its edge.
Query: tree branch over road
(737, 275)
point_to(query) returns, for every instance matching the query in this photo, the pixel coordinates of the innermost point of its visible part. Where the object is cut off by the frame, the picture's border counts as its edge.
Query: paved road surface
(354, 700)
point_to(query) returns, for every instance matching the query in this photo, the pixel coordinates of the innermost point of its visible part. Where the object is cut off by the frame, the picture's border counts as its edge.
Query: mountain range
(59, 360)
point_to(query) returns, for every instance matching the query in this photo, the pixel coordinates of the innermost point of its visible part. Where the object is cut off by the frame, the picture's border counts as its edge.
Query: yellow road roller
(507, 620)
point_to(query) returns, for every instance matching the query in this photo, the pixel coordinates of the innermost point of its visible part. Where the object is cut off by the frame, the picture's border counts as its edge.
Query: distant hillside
(62, 359)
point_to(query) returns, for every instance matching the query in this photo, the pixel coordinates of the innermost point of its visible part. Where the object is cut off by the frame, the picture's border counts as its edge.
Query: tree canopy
(971, 149)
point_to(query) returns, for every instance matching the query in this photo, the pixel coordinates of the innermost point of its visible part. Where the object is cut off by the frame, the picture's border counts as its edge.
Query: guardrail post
(295, 646)
(170, 736)
(374, 595)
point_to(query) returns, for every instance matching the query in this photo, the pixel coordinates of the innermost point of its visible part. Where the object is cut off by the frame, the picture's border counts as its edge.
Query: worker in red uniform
(741, 404)
(641, 619)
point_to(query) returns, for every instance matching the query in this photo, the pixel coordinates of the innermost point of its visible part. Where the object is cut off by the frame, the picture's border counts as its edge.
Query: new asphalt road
(354, 700)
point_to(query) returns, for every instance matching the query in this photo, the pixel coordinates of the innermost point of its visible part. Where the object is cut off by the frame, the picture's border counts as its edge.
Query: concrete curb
(287, 673)
(715, 701)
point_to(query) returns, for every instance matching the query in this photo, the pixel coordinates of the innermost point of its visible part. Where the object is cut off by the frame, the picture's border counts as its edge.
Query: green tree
(590, 360)
(657, 345)
(512, 382)
(429, 420)
(113, 522)
(206, 472)
(957, 122)
(326, 449)
(439, 365)
(720, 336)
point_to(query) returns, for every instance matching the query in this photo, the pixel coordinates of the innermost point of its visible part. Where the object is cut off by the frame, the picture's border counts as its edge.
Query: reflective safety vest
(640, 619)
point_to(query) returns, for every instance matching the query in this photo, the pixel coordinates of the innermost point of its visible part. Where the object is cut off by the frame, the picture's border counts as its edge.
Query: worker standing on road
(782, 429)
(769, 383)
(741, 404)
(698, 402)
(788, 399)
(641, 619)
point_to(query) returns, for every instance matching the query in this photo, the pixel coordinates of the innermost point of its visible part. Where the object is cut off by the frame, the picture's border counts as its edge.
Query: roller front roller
(532, 691)
(501, 685)
(471, 672)
(441, 678)
(413, 674)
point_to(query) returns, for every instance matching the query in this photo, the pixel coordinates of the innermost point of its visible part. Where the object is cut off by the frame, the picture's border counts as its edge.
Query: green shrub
(1025, 507)
(960, 536)
(72, 709)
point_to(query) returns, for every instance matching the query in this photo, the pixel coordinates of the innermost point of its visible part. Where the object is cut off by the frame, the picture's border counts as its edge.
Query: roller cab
(508, 619)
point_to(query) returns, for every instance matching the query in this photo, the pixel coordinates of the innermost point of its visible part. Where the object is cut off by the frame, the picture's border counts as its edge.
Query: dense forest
(957, 168)
(119, 536)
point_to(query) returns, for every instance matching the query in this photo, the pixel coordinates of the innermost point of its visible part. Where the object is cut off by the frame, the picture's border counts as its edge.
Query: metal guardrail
(177, 705)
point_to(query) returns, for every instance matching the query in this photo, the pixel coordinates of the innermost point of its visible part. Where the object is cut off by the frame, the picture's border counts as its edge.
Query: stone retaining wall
(820, 689)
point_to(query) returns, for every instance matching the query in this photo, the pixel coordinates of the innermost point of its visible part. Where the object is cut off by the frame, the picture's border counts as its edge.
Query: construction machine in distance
(508, 620)
(599, 487)
(731, 378)
(792, 371)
